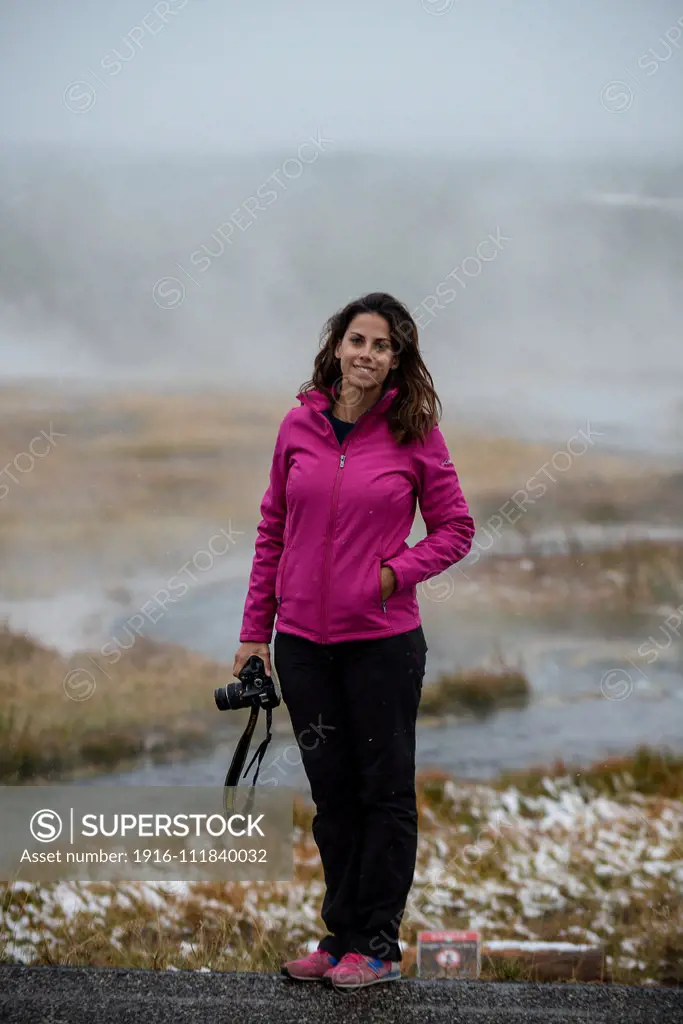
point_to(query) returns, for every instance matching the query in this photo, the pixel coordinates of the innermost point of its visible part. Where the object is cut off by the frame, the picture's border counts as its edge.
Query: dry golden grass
(94, 711)
(520, 860)
(636, 574)
(122, 454)
(647, 771)
(133, 478)
(140, 479)
(478, 691)
(61, 714)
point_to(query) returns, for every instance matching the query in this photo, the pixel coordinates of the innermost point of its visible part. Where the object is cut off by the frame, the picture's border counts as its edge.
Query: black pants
(353, 707)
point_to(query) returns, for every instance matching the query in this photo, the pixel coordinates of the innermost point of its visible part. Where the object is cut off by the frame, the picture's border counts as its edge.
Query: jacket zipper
(328, 546)
(324, 610)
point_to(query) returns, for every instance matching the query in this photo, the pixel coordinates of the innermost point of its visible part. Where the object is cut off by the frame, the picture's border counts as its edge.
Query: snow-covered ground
(570, 856)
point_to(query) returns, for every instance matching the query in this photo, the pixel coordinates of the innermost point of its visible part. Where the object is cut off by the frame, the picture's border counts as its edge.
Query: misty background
(133, 134)
(190, 188)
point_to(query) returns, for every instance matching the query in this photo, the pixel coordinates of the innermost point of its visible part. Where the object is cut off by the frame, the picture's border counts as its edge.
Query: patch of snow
(535, 946)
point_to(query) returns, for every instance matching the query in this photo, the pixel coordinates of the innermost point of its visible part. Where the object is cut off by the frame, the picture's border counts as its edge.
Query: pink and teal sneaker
(355, 970)
(311, 967)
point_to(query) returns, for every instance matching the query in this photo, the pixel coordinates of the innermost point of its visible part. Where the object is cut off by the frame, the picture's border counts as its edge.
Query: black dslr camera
(255, 689)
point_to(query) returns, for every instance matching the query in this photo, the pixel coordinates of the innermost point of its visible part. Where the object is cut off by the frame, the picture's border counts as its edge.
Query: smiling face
(366, 352)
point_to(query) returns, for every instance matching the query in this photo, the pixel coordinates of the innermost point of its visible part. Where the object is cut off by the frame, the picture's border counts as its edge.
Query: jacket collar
(317, 400)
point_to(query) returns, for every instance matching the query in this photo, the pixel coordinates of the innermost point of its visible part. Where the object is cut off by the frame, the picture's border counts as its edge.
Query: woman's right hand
(245, 651)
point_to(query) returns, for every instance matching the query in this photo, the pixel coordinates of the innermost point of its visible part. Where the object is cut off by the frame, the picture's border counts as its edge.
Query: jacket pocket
(382, 603)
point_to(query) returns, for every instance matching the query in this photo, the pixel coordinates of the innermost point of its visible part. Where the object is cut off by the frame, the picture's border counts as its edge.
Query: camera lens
(221, 697)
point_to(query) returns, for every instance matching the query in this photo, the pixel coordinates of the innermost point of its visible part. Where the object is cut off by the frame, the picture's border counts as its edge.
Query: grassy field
(478, 691)
(591, 856)
(83, 714)
(61, 715)
(141, 479)
(637, 574)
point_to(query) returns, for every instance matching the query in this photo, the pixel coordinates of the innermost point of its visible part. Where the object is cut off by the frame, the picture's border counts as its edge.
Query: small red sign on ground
(448, 954)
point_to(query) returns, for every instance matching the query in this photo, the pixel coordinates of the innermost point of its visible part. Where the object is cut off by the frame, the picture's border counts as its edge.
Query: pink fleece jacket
(333, 515)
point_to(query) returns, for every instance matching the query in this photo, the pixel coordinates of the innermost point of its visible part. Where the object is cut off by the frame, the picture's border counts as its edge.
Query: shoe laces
(354, 958)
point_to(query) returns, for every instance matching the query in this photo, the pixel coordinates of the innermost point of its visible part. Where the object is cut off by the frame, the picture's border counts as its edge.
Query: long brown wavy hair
(416, 408)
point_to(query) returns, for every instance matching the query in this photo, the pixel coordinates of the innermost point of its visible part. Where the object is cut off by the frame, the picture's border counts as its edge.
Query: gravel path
(57, 995)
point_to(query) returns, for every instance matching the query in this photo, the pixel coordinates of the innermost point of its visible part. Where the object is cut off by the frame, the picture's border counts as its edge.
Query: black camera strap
(239, 757)
(261, 749)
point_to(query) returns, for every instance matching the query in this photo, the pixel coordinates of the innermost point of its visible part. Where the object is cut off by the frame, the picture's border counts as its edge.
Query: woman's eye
(382, 345)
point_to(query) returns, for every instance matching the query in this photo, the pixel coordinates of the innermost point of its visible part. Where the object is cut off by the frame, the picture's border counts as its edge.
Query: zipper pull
(341, 461)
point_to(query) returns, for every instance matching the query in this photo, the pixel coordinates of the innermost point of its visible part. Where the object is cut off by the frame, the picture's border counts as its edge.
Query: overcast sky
(453, 75)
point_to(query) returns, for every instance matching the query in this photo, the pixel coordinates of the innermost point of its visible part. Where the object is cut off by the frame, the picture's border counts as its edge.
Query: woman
(331, 560)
